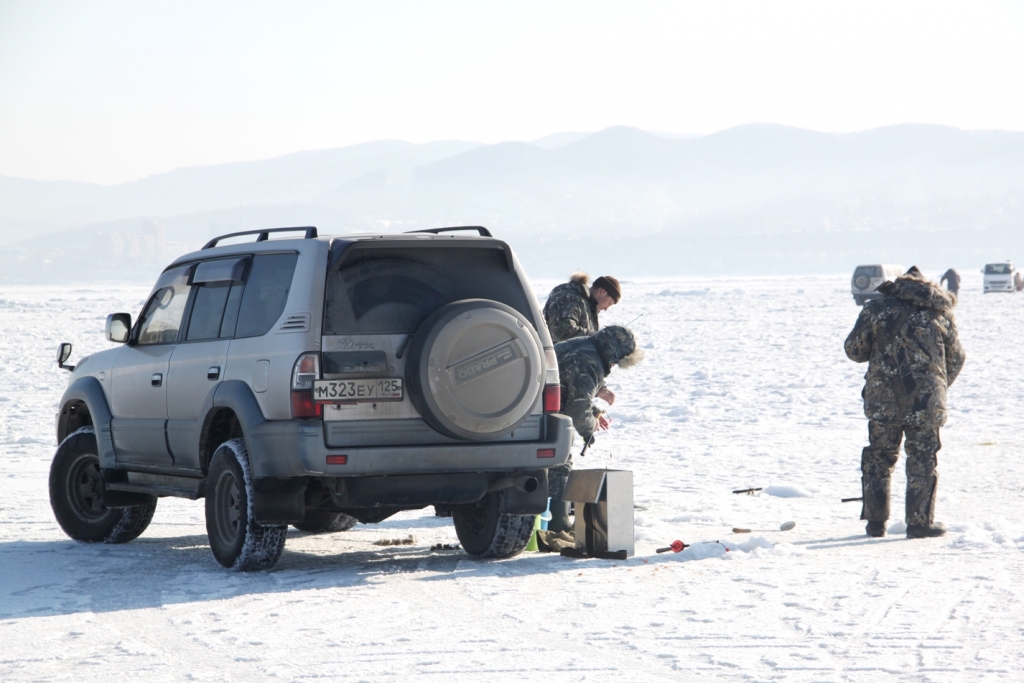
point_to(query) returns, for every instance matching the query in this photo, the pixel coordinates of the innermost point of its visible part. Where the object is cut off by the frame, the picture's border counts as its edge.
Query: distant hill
(752, 199)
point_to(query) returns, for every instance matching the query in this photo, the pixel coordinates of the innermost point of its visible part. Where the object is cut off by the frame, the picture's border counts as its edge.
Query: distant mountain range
(752, 199)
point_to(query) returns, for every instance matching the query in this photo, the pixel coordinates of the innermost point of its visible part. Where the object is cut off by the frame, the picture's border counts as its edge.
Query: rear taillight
(552, 390)
(552, 398)
(305, 372)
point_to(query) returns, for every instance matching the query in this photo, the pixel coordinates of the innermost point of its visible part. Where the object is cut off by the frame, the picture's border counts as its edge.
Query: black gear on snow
(570, 310)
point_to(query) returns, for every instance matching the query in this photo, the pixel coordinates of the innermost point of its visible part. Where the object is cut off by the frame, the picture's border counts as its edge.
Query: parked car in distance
(867, 278)
(998, 277)
(318, 382)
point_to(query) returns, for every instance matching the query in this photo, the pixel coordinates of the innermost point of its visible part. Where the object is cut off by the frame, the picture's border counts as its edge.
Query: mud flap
(279, 501)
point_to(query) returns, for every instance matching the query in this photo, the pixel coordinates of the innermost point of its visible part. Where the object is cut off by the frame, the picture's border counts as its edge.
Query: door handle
(213, 373)
(158, 379)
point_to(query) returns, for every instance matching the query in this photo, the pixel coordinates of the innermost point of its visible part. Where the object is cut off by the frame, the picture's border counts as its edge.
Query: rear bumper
(296, 448)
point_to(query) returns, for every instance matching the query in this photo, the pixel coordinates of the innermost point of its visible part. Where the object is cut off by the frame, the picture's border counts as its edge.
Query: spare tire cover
(861, 281)
(475, 369)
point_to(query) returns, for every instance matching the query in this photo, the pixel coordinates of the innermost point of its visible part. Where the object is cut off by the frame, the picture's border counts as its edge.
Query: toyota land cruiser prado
(318, 381)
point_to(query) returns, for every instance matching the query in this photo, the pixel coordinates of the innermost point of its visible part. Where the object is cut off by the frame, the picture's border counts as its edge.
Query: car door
(199, 361)
(138, 391)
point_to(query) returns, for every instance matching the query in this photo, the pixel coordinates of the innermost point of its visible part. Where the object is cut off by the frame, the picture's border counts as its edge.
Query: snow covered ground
(745, 385)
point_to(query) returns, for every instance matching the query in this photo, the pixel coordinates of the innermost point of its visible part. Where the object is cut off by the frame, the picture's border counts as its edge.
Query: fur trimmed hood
(616, 344)
(581, 278)
(913, 288)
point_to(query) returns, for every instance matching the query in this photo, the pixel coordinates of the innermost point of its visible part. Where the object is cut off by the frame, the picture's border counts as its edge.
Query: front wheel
(236, 540)
(484, 530)
(76, 495)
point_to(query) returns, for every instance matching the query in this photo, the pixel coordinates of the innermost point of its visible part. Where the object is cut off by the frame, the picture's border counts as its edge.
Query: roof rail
(484, 232)
(264, 235)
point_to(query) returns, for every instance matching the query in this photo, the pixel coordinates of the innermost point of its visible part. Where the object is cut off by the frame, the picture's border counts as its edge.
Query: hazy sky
(113, 91)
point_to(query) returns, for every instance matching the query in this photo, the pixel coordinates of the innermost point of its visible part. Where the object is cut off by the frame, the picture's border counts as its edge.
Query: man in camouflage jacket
(909, 340)
(571, 311)
(583, 363)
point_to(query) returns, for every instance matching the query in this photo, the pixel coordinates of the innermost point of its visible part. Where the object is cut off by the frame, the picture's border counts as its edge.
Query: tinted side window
(266, 293)
(208, 310)
(161, 317)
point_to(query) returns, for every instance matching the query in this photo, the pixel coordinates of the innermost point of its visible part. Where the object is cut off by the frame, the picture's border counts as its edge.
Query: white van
(999, 277)
(867, 278)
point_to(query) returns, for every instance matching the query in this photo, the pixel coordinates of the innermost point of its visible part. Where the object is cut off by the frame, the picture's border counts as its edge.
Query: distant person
(1018, 281)
(571, 311)
(583, 364)
(909, 340)
(952, 280)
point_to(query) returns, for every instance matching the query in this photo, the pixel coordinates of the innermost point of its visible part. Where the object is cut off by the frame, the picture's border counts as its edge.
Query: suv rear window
(392, 290)
(870, 271)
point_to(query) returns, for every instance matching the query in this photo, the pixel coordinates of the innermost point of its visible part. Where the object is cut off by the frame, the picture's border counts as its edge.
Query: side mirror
(119, 326)
(63, 353)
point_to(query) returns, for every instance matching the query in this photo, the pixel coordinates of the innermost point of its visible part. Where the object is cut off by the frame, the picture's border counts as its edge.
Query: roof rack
(264, 235)
(484, 232)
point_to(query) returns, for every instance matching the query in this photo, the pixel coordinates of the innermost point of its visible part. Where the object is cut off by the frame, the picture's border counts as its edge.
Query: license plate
(357, 390)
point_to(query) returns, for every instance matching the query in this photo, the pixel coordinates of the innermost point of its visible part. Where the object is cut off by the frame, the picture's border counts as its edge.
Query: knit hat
(610, 285)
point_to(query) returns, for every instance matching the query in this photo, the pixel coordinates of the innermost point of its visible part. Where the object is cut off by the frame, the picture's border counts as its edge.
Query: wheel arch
(85, 404)
(234, 414)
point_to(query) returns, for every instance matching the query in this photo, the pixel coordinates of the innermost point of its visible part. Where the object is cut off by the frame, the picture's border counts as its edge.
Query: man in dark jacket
(909, 340)
(571, 311)
(952, 280)
(583, 364)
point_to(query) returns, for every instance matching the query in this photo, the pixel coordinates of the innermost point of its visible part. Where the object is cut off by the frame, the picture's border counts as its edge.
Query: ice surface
(745, 385)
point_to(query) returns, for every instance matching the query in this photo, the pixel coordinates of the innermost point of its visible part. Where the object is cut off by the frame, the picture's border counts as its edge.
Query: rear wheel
(76, 496)
(323, 521)
(859, 300)
(484, 530)
(236, 540)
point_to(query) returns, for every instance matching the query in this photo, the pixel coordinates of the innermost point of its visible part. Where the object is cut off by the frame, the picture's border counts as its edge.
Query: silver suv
(318, 382)
(866, 280)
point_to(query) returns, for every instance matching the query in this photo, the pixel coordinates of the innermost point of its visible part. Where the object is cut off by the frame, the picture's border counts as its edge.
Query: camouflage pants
(878, 460)
(558, 477)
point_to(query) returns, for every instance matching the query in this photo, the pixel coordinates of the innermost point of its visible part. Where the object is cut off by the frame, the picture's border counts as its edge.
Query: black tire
(859, 300)
(76, 496)
(236, 540)
(486, 532)
(324, 521)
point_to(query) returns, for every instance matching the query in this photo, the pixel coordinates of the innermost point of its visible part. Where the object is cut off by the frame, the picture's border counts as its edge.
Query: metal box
(604, 510)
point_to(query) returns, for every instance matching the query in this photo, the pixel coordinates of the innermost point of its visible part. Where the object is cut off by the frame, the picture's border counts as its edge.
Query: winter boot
(926, 530)
(876, 529)
(559, 516)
